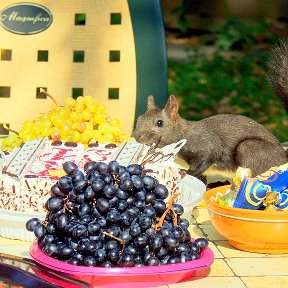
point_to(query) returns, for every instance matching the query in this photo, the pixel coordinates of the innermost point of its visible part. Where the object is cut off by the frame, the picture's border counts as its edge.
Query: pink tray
(146, 276)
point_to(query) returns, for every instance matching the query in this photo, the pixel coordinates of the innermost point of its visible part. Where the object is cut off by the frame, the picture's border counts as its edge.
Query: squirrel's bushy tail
(278, 72)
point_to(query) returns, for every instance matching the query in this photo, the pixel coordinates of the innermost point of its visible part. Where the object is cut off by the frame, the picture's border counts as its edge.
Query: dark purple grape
(125, 219)
(141, 194)
(113, 254)
(149, 210)
(112, 244)
(135, 230)
(132, 249)
(74, 261)
(92, 247)
(93, 228)
(150, 197)
(114, 230)
(80, 186)
(185, 257)
(79, 231)
(178, 209)
(89, 194)
(109, 191)
(65, 251)
(174, 260)
(171, 242)
(50, 249)
(70, 167)
(126, 184)
(77, 176)
(125, 236)
(133, 211)
(137, 182)
(124, 174)
(72, 196)
(122, 194)
(101, 167)
(107, 178)
(89, 261)
(153, 261)
(32, 223)
(89, 167)
(194, 248)
(55, 204)
(113, 216)
(113, 201)
(102, 205)
(65, 184)
(201, 243)
(159, 206)
(181, 248)
(93, 175)
(162, 252)
(145, 221)
(140, 204)
(106, 264)
(51, 228)
(149, 182)
(126, 260)
(40, 231)
(141, 240)
(156, 241)
(98, 185)
(113, 168)
(183, 223)
(56, 191)
(62, 221)
(130, 200)
(100, 255)
(135, 169)
(80, 198)
(161, 191)
(84, 209)
(122, 205)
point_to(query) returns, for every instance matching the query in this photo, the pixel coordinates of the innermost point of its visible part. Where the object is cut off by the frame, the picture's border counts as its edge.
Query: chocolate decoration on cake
(110, 146)
(56, 143)
(70, 144)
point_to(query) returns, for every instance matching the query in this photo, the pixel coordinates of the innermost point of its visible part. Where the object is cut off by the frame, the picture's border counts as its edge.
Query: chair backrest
(113, 50)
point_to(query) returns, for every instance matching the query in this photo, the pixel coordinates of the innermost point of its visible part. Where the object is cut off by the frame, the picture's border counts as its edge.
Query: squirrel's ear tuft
(171, 107)
(150, 102)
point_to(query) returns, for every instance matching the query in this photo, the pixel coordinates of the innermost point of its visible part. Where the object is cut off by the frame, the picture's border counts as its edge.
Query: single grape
(32, 223)
(70, 167)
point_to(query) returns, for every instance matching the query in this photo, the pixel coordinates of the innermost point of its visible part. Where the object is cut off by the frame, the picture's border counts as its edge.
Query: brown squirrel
(224, 141)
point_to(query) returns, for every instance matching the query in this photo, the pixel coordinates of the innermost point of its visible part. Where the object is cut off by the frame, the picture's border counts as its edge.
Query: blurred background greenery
(218, 52)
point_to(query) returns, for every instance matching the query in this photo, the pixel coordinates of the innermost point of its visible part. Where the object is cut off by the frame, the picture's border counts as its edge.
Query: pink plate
(146, 276)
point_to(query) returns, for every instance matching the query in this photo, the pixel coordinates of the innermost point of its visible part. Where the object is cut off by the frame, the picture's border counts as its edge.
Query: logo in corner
(25, 18)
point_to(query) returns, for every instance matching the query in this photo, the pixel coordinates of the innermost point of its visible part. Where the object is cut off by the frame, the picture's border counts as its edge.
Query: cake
(30, 170)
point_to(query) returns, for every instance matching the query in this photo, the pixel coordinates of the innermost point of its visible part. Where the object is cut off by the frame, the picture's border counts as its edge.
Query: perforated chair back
(113, 50)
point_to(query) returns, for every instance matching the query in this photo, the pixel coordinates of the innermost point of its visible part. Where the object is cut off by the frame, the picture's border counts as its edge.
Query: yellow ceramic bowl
(249, 230)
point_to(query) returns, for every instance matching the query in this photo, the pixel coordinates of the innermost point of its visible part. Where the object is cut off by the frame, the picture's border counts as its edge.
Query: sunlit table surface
(231, 268)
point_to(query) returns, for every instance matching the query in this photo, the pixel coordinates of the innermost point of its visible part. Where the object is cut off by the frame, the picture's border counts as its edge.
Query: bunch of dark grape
(111, 215)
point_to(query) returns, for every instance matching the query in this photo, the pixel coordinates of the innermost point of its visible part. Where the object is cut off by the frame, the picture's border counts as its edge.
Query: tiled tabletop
(231, 268)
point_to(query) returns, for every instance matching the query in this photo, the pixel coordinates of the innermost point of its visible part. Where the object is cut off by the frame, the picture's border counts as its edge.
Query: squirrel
(223, 141)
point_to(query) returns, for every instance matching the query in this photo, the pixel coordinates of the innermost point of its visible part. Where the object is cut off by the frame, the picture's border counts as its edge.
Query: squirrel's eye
(159, 123)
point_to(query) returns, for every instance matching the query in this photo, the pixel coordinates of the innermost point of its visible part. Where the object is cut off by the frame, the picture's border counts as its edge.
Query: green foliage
(235, 84)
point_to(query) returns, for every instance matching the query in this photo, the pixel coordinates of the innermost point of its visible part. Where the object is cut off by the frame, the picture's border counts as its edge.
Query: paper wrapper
(254, 192)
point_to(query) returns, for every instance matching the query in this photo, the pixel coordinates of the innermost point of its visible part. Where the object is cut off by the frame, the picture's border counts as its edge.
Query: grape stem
(160, 220)
(49, 95)
(9, 129)
(121, 241)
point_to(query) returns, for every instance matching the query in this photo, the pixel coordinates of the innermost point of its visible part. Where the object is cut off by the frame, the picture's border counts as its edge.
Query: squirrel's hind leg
(258, 155)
